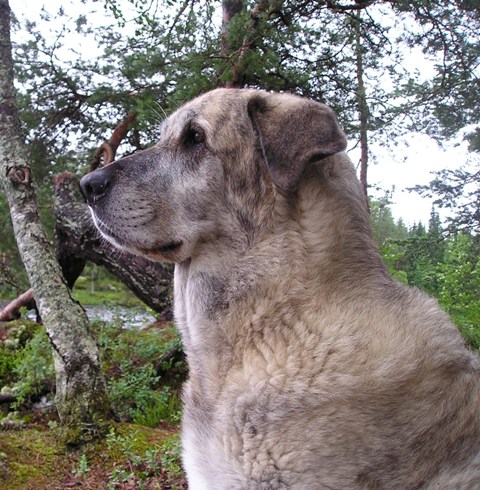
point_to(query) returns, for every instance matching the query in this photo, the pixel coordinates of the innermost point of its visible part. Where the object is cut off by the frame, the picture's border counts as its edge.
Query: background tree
(81, 396)
(449, 100)
(457, 191)
(443, 263)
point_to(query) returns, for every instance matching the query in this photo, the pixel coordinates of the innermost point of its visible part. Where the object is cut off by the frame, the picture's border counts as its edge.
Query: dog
(309, 366)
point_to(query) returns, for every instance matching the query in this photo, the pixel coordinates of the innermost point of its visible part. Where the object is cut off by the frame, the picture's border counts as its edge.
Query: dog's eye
(195, 137)
(198, 137)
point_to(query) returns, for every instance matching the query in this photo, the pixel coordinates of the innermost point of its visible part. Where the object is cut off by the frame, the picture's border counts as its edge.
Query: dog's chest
(237, 441)
(244, 403)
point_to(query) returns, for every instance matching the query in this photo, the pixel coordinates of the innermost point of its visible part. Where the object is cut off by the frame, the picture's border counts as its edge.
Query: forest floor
(140, 453)
(130, 457)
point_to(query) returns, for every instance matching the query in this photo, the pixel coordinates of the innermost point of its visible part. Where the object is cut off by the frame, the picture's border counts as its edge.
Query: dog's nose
(94, 186)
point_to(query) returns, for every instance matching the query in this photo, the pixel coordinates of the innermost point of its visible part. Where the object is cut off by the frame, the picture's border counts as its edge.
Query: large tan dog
(310, 368)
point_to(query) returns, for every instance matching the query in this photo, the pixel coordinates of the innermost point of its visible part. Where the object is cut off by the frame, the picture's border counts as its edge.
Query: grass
(130, 457)
(101, 288)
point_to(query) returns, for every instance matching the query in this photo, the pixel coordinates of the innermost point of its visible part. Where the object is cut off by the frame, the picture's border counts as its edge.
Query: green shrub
(133, 389)
(136, 390)
(34, 370)
(163, 406)
(9, 358)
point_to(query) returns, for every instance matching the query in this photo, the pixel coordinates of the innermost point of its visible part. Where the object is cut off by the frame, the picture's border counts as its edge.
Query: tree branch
(109, 148)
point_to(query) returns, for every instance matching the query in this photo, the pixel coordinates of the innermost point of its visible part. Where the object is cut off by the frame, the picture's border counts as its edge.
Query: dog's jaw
(171, 251)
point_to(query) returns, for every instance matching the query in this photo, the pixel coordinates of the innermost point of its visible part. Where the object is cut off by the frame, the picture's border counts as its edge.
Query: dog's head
(218, 161)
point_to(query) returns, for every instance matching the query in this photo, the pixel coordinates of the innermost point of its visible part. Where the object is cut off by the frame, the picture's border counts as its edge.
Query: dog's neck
(319, 244)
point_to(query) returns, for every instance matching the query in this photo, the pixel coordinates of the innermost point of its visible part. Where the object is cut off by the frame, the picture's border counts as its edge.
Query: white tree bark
(81, 395)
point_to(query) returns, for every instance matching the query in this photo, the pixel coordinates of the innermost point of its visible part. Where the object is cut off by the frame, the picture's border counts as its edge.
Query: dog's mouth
(166, 252)
(169, 248)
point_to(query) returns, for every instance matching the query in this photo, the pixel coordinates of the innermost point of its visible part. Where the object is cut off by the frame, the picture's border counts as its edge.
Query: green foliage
(459, 192)
(383, 224)
(136, 390)
(171, 456)
(160, 461)
(459, 284)
(130, 360)
(14, 347)
(134, 387)
(448, 34)
(34, 370)
(445, 266)
(9, 359)
(161, 406)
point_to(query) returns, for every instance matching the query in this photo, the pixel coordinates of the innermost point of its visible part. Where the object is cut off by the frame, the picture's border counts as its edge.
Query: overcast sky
(406, 166)
(397, 168)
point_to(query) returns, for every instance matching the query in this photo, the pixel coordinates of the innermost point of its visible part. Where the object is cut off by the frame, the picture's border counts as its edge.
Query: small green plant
(171, 456)
(82, 467)
(164, 406)
(35, 369)
(120, 476)
(118, 442)
(161, 463)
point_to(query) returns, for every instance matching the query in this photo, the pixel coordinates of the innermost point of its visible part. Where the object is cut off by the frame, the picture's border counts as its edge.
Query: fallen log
(10, 312)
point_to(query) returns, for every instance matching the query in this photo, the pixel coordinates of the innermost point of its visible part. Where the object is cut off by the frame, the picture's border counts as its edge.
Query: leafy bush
(34, 370)
(130, 357)
(136, 390)
(133, 389)
(163, 406)
(9, 358)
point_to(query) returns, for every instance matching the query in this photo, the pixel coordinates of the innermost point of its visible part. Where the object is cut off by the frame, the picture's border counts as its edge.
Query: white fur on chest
(248, 394)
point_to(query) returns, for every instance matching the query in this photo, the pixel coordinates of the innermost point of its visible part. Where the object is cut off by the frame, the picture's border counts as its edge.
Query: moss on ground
(131, 456)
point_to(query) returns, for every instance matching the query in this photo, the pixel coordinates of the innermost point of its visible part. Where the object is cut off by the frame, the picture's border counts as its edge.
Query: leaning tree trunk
(233, 50)
(81, 396)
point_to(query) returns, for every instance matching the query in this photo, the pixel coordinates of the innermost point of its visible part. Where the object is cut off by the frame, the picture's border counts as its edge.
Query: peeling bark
(81, 396)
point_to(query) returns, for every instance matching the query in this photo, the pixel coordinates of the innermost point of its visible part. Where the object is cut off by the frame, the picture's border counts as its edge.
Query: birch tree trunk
(81, 396)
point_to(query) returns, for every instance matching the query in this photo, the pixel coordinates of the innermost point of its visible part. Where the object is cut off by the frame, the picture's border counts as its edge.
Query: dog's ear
(293, 132)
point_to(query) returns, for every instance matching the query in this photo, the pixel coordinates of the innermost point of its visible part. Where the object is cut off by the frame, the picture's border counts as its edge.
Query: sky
(405, 166)
(396, 168)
